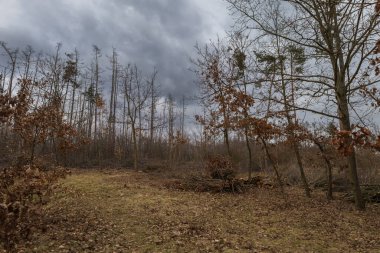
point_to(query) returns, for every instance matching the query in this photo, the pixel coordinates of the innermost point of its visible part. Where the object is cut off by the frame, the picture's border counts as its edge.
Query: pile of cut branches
(219, 177)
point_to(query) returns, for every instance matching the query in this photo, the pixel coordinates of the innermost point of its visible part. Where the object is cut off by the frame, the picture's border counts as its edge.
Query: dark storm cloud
(149, 33)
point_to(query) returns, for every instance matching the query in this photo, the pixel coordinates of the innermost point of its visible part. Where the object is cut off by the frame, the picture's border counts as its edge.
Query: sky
(149, 33)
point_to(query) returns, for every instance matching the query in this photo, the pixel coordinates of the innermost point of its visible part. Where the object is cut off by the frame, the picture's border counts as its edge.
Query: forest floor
(124, 211)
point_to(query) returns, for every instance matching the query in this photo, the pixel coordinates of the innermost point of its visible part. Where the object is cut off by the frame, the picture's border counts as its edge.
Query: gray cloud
(149, 33)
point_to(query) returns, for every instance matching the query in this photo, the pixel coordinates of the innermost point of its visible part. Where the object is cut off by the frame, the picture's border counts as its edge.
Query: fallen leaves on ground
(123, 211)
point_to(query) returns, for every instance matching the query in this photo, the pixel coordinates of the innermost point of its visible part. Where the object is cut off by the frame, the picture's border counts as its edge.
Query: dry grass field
(124, 211)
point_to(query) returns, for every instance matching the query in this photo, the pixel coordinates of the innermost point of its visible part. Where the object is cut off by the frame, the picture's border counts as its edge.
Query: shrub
(220, 167)
(23, 192)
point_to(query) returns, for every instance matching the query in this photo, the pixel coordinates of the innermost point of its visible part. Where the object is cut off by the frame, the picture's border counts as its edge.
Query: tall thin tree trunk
(329, 193)
(343, 104)
(345, 125)
(171, 128)
(75, 84)
(290, 120)
(112, 116)
(278, 175)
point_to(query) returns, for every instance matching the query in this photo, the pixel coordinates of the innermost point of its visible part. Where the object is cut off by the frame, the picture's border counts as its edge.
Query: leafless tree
(12, 54)
(136, 96)
(339, 37)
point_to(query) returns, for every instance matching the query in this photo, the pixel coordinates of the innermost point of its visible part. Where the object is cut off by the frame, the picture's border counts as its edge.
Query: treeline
(120, 122)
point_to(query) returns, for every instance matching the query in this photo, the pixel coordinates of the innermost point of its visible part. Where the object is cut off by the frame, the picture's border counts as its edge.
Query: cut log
(339, 184)
(370, 193)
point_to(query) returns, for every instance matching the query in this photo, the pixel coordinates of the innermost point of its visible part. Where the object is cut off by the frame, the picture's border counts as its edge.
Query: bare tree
(113, 102)
(12, 54)
(136, 96)
(337, 34)
(171, 117)
(96, 76)
(70, 76)
(153, 107)
(27, 54)
(278, 63)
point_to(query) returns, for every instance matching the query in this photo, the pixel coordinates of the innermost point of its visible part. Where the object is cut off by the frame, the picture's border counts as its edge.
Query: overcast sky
(149, 33)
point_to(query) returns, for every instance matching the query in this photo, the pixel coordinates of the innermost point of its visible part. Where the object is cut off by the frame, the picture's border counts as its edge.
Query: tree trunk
(135, 147)
(301, 168)
(112, 108)
(351, 158)
(249, 154)
(291, 124)
(278, 176)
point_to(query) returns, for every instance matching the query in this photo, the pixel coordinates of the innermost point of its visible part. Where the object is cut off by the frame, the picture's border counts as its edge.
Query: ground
(125, 211)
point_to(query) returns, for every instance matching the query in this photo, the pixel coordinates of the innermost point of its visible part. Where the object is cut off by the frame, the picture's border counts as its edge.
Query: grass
(123, 211)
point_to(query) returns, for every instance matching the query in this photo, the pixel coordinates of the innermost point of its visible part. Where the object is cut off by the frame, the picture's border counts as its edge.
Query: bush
(23, 192)
(220, 167)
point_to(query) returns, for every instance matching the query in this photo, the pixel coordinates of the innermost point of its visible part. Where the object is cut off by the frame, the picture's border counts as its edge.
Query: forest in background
(292, 92)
